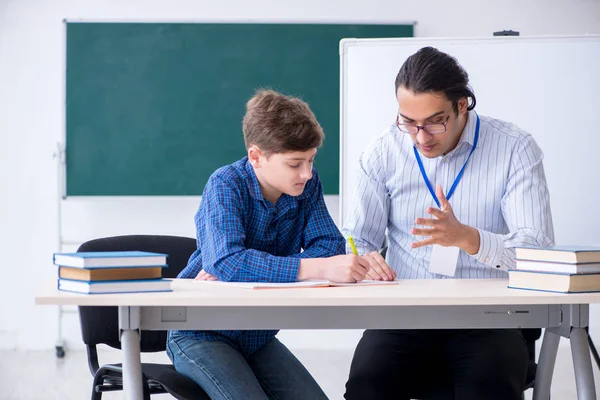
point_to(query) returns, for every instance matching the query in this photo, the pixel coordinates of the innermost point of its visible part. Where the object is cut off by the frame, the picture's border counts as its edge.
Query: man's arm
(525, 207)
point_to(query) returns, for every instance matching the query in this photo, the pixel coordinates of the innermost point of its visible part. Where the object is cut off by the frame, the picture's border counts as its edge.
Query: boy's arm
(221, 235)
(321, 238)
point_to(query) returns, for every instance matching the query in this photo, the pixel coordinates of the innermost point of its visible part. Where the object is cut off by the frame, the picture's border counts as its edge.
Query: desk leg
(545, 369)
(582, 362)
(130, 345)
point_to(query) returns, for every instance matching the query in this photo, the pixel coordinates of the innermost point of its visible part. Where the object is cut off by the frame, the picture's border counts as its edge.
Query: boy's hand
(379, 269)
(205, 276)
(346, 268)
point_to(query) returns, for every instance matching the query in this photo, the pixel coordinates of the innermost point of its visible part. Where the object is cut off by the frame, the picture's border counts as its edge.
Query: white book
(553, 282)
(541, 266)
(560, 253)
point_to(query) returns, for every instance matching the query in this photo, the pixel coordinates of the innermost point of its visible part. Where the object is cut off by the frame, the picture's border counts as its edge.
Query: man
(450, 184)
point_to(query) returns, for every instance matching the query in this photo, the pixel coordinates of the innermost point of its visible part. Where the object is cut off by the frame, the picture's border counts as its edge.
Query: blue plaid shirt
(242, 237)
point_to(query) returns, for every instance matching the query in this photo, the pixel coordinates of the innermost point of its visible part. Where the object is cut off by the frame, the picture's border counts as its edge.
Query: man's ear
(255, 156)
(463, 104)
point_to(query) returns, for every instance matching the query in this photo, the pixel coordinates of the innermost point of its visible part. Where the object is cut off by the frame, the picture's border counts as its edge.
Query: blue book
(110, 259)
(560, 254)
(129, 286)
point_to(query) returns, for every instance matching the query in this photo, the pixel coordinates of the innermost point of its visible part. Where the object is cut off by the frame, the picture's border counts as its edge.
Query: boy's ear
(254, 155)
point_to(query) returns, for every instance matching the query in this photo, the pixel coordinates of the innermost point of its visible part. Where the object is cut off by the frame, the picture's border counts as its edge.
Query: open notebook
(301, 284)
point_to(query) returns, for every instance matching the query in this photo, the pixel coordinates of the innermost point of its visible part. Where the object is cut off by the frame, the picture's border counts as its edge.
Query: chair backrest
(101, 324)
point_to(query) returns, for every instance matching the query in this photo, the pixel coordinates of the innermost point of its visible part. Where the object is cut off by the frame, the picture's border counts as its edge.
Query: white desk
(413, 304)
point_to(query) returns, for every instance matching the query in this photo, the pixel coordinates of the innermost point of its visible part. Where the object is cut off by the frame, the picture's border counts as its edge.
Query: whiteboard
(548, 86)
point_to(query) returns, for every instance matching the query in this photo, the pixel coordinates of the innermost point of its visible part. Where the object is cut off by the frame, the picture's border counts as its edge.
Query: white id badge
(443, 260)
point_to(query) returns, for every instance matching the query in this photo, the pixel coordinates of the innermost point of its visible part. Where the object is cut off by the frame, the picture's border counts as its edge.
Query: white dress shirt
(503, 194)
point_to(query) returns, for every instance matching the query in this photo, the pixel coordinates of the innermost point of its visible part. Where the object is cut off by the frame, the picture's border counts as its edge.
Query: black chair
(99, 325)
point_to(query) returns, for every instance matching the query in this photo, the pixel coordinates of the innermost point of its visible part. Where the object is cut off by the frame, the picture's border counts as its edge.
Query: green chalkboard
(155, 108)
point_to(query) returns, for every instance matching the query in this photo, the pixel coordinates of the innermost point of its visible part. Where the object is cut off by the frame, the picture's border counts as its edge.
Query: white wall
(31, 84)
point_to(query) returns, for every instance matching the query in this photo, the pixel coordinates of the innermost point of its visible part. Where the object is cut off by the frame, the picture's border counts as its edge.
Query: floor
(69, 378)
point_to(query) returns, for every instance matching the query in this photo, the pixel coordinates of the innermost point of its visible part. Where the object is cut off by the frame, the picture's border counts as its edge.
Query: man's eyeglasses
(413, 129)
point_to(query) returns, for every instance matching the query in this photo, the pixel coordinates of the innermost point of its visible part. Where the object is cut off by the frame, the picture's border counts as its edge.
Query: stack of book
(565, 269)
(111, 272)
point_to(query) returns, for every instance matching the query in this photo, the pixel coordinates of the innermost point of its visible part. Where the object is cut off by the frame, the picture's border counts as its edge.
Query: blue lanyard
(458, 177)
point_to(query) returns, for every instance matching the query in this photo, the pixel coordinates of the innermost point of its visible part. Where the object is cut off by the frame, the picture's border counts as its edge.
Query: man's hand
(205, 276)
(446, 229)
(345, 268)
(379, 270)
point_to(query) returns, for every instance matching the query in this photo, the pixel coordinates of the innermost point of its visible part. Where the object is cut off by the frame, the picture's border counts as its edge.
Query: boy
(255, 217)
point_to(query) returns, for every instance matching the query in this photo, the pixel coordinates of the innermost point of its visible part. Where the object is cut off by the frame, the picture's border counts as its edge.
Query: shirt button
(486, 259)
(497, 266)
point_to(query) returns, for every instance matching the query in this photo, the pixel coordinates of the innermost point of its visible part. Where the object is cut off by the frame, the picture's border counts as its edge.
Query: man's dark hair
(432, 71)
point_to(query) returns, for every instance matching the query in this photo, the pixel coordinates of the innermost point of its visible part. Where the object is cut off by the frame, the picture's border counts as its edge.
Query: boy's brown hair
(277, 123)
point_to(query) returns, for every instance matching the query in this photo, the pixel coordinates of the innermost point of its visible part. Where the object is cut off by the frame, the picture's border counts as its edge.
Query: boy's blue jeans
(272, 372)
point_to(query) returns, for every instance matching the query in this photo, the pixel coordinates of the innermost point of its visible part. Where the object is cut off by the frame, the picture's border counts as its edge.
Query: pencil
(352, 245)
